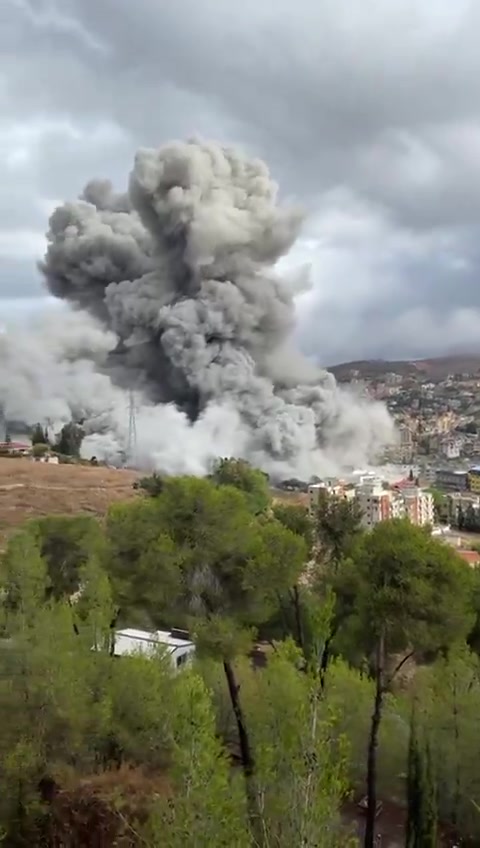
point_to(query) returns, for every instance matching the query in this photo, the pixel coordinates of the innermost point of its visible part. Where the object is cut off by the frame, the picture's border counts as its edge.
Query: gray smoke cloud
(181, 271)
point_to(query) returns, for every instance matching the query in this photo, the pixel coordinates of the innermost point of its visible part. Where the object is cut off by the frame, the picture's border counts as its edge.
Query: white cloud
(19, 244)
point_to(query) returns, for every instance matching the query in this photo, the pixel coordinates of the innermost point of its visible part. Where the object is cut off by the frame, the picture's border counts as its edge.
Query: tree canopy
(319, 710)
(252, 482)
(69, 440)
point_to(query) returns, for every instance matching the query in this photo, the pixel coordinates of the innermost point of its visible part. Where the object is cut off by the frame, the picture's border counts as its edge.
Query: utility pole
(131, 453)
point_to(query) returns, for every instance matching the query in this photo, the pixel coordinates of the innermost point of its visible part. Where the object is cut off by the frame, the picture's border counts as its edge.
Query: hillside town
(437, 414)
(434, 469)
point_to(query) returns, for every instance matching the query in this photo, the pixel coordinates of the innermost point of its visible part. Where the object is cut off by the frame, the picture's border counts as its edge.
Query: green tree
(413, 596)
(24, 576)
(38, 435)
(151, 485)
(139, 697)
(337, 524)
(296, 518)
(293, 609)
(196, 552)
(471, 519)
(422, 828)
(206, 808)
(45, 684)
(337, 528)
(251, 481)
(448, 694)
(66, 543)
(40, 449)
(301, 756)
(473, 638)
(439, 505)
(69, 440)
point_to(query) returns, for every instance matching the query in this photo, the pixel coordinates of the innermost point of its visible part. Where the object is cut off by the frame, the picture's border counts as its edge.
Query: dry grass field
(33, 489)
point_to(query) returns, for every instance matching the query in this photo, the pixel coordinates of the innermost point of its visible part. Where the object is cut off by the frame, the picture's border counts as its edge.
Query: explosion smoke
(182, 270)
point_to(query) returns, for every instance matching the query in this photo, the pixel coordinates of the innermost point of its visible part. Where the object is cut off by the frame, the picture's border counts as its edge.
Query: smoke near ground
(176, 294)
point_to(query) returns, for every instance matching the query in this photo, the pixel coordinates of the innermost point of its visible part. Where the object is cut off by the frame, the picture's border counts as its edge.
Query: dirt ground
(33, 489)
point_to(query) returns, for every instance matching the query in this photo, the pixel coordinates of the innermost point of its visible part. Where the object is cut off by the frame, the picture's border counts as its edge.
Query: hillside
(32, 489)
(436, 368)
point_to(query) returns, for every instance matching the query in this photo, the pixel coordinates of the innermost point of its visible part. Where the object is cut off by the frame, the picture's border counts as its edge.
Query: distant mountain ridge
(436, 368)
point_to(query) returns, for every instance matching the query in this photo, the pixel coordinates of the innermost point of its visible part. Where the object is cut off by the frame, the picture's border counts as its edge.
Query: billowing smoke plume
(181, 272)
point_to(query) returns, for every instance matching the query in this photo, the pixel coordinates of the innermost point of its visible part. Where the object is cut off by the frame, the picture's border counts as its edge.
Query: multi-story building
(419, 507)
(457, 502)
(378, 504)
(330, 486)
(474, 479)
(450, 480)
(451, 447)
(427, 475)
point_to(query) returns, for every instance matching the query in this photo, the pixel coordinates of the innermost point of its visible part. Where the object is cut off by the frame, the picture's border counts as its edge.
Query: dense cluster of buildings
(445, 496)
(380, 501)
(438, 414)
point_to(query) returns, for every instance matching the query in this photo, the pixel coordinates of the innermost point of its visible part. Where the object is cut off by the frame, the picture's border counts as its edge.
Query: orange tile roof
(472, 557)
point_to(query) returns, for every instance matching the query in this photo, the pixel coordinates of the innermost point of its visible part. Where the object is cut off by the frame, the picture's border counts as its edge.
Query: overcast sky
(368, 112)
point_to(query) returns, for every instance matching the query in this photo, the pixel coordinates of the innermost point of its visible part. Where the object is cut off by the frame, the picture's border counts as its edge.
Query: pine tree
(70, 440)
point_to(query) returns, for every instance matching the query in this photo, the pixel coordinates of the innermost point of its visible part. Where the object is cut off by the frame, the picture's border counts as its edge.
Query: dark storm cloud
(378, 100)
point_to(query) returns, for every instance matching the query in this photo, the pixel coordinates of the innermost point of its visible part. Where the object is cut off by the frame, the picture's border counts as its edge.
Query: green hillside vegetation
(124, 752)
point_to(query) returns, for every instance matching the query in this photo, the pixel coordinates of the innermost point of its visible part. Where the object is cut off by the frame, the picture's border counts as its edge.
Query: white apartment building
(379, 504)
(329, 486)
(418, 506)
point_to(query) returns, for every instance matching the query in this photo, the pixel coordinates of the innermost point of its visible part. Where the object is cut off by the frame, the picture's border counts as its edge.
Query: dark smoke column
(182, 269)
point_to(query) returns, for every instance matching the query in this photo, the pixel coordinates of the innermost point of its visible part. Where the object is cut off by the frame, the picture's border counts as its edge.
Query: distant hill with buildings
(437, 368)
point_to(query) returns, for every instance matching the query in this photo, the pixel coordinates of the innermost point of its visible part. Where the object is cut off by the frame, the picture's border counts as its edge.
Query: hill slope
(436, 368)
(33, 489)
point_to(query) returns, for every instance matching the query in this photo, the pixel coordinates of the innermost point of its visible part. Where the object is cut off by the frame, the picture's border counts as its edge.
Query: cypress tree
(421, 793)
(429, 825)
(413, 788)
(38, 436)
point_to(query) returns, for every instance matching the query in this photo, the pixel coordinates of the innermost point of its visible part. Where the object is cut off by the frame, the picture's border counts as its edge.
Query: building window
(181, 660)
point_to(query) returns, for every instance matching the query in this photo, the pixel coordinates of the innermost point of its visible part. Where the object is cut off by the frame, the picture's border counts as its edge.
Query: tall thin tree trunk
(248, 761)
(325, 659)
(298, 620)
(112, 628)
(369, 841)
(456, 732)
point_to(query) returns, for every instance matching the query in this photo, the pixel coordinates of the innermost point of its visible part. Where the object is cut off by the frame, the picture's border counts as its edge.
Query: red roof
(404, 484)
(15, 445)
(472, 557)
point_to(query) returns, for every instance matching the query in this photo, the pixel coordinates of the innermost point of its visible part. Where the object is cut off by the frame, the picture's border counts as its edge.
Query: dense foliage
(226, 753)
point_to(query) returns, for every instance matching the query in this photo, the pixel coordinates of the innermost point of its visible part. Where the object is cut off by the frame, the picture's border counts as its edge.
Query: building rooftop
(131, 640)
(471, 557)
